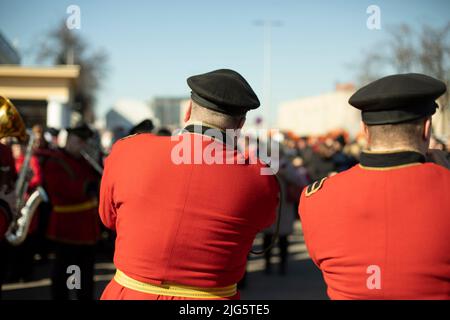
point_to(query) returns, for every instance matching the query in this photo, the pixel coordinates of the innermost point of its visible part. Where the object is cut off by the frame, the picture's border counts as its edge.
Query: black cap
(224, 91)
(145, 126)
(398, 98)
(81, 130)
(53, 131)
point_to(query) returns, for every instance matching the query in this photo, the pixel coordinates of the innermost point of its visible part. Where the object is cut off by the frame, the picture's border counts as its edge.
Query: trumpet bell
(11, 123)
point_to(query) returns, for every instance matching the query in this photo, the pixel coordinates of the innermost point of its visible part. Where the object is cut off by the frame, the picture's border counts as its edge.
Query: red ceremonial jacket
(381, 230)
(5, 219)
(190, 224)
(70, 183)
(8, 175)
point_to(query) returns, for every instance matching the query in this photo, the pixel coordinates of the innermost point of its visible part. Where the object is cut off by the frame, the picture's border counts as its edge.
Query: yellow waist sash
(174, 290)
(76, 207)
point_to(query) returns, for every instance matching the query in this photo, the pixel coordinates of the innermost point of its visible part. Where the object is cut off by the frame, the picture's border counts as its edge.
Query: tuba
(12, 125)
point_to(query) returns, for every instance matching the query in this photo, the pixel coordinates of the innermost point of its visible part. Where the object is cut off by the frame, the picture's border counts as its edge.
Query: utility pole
(267, 81)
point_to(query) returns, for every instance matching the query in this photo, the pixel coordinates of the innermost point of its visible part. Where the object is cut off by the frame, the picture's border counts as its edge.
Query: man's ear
(187, 116)
(363, 128)
(241, 122)
(427, 128)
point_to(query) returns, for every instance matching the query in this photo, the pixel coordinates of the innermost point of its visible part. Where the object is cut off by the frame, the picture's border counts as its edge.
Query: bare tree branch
(63, 46)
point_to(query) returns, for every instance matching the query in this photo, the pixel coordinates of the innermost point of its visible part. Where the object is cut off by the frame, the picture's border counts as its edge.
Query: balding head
(197, 113)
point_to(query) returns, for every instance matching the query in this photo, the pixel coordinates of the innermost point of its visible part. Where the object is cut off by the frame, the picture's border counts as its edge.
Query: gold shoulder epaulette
(314, 187)
(129, 136)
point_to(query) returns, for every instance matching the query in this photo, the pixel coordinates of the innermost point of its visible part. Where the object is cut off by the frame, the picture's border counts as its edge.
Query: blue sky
(155, 45)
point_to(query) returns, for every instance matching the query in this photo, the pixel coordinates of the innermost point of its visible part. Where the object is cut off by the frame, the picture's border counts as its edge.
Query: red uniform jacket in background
(8, 175)
(190, 224)
(4, 220)
(74, 216)
(381, 230)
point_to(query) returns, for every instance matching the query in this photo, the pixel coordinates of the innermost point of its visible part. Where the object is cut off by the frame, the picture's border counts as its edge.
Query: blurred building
(168, 110)
(126, 113)
(441, 122)
(8, 54)
(319, 114)
(43, 95)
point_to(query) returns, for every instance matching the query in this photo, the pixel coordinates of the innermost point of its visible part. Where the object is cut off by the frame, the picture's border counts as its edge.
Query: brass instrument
(22, 181)
(91, 153)
(12, 125)
(87, 156)
(18, 229)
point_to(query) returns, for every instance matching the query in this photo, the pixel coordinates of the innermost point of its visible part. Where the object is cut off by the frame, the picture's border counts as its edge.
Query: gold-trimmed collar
(390, 159)
(212, 132)
(391, 167)
(203, 124)
(388, 151)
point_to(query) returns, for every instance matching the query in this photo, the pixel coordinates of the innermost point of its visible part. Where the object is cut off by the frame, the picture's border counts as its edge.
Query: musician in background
(22, 260)
(72, 185)
(39, 139)
(43, 148)
(8, 176)
(11, 125)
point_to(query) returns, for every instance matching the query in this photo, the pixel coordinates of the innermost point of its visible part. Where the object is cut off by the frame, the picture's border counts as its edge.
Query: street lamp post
(267, 81)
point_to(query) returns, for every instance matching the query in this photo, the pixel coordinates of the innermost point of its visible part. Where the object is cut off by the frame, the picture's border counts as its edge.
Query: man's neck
(383, 149)
(202, 123)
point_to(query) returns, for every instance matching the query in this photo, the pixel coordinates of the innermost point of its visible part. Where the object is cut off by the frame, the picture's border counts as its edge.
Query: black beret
(145, 126)
(223, 90)
(82, 131)
(53, 131)
(398, 98)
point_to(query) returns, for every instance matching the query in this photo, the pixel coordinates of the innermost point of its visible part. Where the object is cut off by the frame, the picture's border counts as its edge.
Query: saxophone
(12, 125)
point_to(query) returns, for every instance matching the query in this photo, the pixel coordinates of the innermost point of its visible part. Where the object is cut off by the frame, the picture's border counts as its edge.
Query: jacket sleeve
(305, 214)
(107, 208)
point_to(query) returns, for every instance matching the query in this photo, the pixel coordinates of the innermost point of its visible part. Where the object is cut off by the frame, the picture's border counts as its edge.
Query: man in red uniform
(8, 176)
(381, 230)
(22, 259)
(185, 225)
(5, 213)
(72, 186)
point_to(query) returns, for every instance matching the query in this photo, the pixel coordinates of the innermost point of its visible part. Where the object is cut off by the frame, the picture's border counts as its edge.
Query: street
(302, 281)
